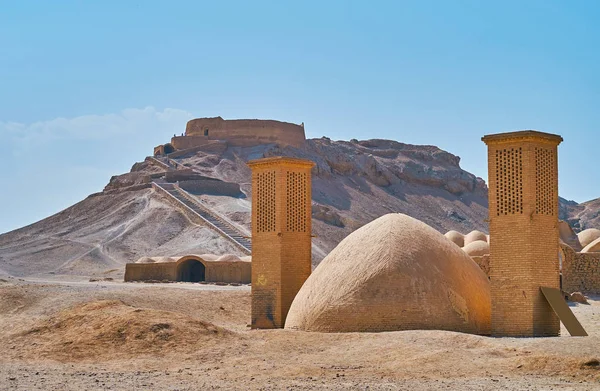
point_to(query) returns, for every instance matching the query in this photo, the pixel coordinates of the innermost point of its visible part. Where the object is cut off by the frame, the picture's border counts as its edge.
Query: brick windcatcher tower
(281, 236)
(523, 214)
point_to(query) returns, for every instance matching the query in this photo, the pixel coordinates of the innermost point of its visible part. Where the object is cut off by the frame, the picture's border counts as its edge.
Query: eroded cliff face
(354, 182)
(580, 216)
(387, 163)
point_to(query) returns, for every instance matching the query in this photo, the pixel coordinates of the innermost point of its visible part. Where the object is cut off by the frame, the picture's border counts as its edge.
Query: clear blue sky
(87, 88)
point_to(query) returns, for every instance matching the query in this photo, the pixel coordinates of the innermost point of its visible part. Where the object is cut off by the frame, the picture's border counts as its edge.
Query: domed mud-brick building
(395, 273)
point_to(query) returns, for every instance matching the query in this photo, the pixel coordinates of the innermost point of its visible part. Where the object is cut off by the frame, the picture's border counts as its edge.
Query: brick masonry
(580, 271)
(215, 271)
(523, 207)
(281, 236)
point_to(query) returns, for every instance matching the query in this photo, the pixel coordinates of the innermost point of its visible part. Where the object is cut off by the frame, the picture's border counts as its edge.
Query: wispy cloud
(95, 127)
(57, 161)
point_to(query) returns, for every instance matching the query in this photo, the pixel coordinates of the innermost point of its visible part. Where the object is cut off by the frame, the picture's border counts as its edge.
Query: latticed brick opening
(509, 181)
(265, 211)
(296, 201)
(545, 182)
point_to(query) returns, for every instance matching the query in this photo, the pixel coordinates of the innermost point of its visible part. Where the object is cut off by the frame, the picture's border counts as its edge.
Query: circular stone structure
(456, 238)
(244, 132)
(395, 273)
(477, 248)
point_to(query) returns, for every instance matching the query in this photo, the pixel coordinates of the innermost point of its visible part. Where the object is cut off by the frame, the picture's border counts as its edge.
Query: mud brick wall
(236, 272)
(166, 271)
(580, 271)
(215, 271)
(202, 186)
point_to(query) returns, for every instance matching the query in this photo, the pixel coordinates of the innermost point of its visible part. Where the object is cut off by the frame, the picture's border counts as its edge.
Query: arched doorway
(169, 148)
(191, 270)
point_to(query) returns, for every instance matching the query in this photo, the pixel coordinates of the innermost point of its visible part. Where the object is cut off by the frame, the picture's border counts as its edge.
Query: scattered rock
(327, 215)
(578, 297)
(159, 326)
(454, 215)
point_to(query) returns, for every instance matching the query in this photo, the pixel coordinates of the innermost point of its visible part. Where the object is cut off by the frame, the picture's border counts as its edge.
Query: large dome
(395, 273)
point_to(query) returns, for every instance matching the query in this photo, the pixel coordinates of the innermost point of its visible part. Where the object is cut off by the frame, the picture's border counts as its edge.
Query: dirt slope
(102, 233)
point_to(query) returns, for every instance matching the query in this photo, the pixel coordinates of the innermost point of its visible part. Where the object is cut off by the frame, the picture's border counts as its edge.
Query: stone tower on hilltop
(281, 236)
(523, 214)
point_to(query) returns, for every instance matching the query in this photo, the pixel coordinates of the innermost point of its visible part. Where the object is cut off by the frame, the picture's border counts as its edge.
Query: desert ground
(73, 334)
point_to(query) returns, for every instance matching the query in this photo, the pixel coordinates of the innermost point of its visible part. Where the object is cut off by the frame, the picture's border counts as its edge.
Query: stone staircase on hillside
(212, 219)
(166, 163)
(159, 163)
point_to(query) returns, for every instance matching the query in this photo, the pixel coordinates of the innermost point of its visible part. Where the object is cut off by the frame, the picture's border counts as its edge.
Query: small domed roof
(456, 238)
(145, 260)
(474, 236)
(587, 236)
(477, 248)
(164, 259)
(395, 273)
(228, 258)
(593, 247)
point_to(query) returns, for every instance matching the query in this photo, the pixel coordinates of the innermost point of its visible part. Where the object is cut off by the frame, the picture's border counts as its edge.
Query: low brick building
(191, 268)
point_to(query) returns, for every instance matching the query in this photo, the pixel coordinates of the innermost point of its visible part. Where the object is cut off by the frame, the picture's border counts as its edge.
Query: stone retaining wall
(210, 186)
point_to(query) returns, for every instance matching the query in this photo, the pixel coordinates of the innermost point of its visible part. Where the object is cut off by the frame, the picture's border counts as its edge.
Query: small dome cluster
(475, 243)
(586, 241)
(205, 257)
(155, 260)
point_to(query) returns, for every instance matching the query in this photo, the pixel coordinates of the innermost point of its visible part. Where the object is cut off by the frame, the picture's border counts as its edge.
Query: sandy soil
(112, 336)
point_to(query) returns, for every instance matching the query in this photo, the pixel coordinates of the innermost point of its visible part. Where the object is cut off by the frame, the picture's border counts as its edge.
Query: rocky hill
(354, 182)
(581, 216)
